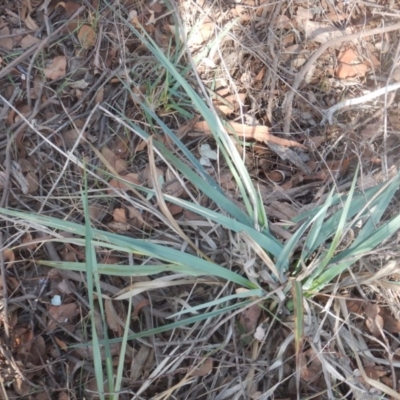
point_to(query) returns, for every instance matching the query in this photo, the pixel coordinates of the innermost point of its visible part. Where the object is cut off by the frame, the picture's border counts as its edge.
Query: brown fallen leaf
(69, 138)
(390, 324)
(97, 212)
(147, 177)
(112, 161)
(375, 372)
(119, 215)
(61, 344)
(335, 168)
(310, 365)
(33, 182)
(61, 314)
(57, 68)
(21, 387)
(87, 37)
(63, 396)
(9, 257)
(111, 316)
(27, 242)
(375, 325)
(30, 23)
(258, 132)
(174, 209)
(249, 318)
(135, 217)
(7, 42)
(233, 102)
(355, 306)
(349, 66)
(28, 41)
(202, 33)
(133, 178)
(276, 176)
(172, 185)
(371, 310)
(203, 369)
(139, 361)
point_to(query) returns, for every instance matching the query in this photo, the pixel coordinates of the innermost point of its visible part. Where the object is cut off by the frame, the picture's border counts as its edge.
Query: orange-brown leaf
(87, 36)
(56, 68)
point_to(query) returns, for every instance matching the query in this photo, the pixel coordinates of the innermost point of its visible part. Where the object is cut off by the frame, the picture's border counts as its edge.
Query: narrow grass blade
(299, 325)
(327, 256)
(90, 276)
(384, 197)
(122, 354)
(178, 324)
(315, 231)
(139, 246)
(219, 133)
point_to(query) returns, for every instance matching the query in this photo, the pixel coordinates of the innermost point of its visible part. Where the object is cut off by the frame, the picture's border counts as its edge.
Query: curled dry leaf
(276, 176)
(56, 69)
(61, 344)
(30, 23)
(87, 37)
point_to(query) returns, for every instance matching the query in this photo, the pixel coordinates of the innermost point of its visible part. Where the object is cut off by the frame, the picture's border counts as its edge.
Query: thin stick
(358, 100)
(5, 293)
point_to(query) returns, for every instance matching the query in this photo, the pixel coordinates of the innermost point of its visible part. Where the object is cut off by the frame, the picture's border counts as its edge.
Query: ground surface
(71, 71)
